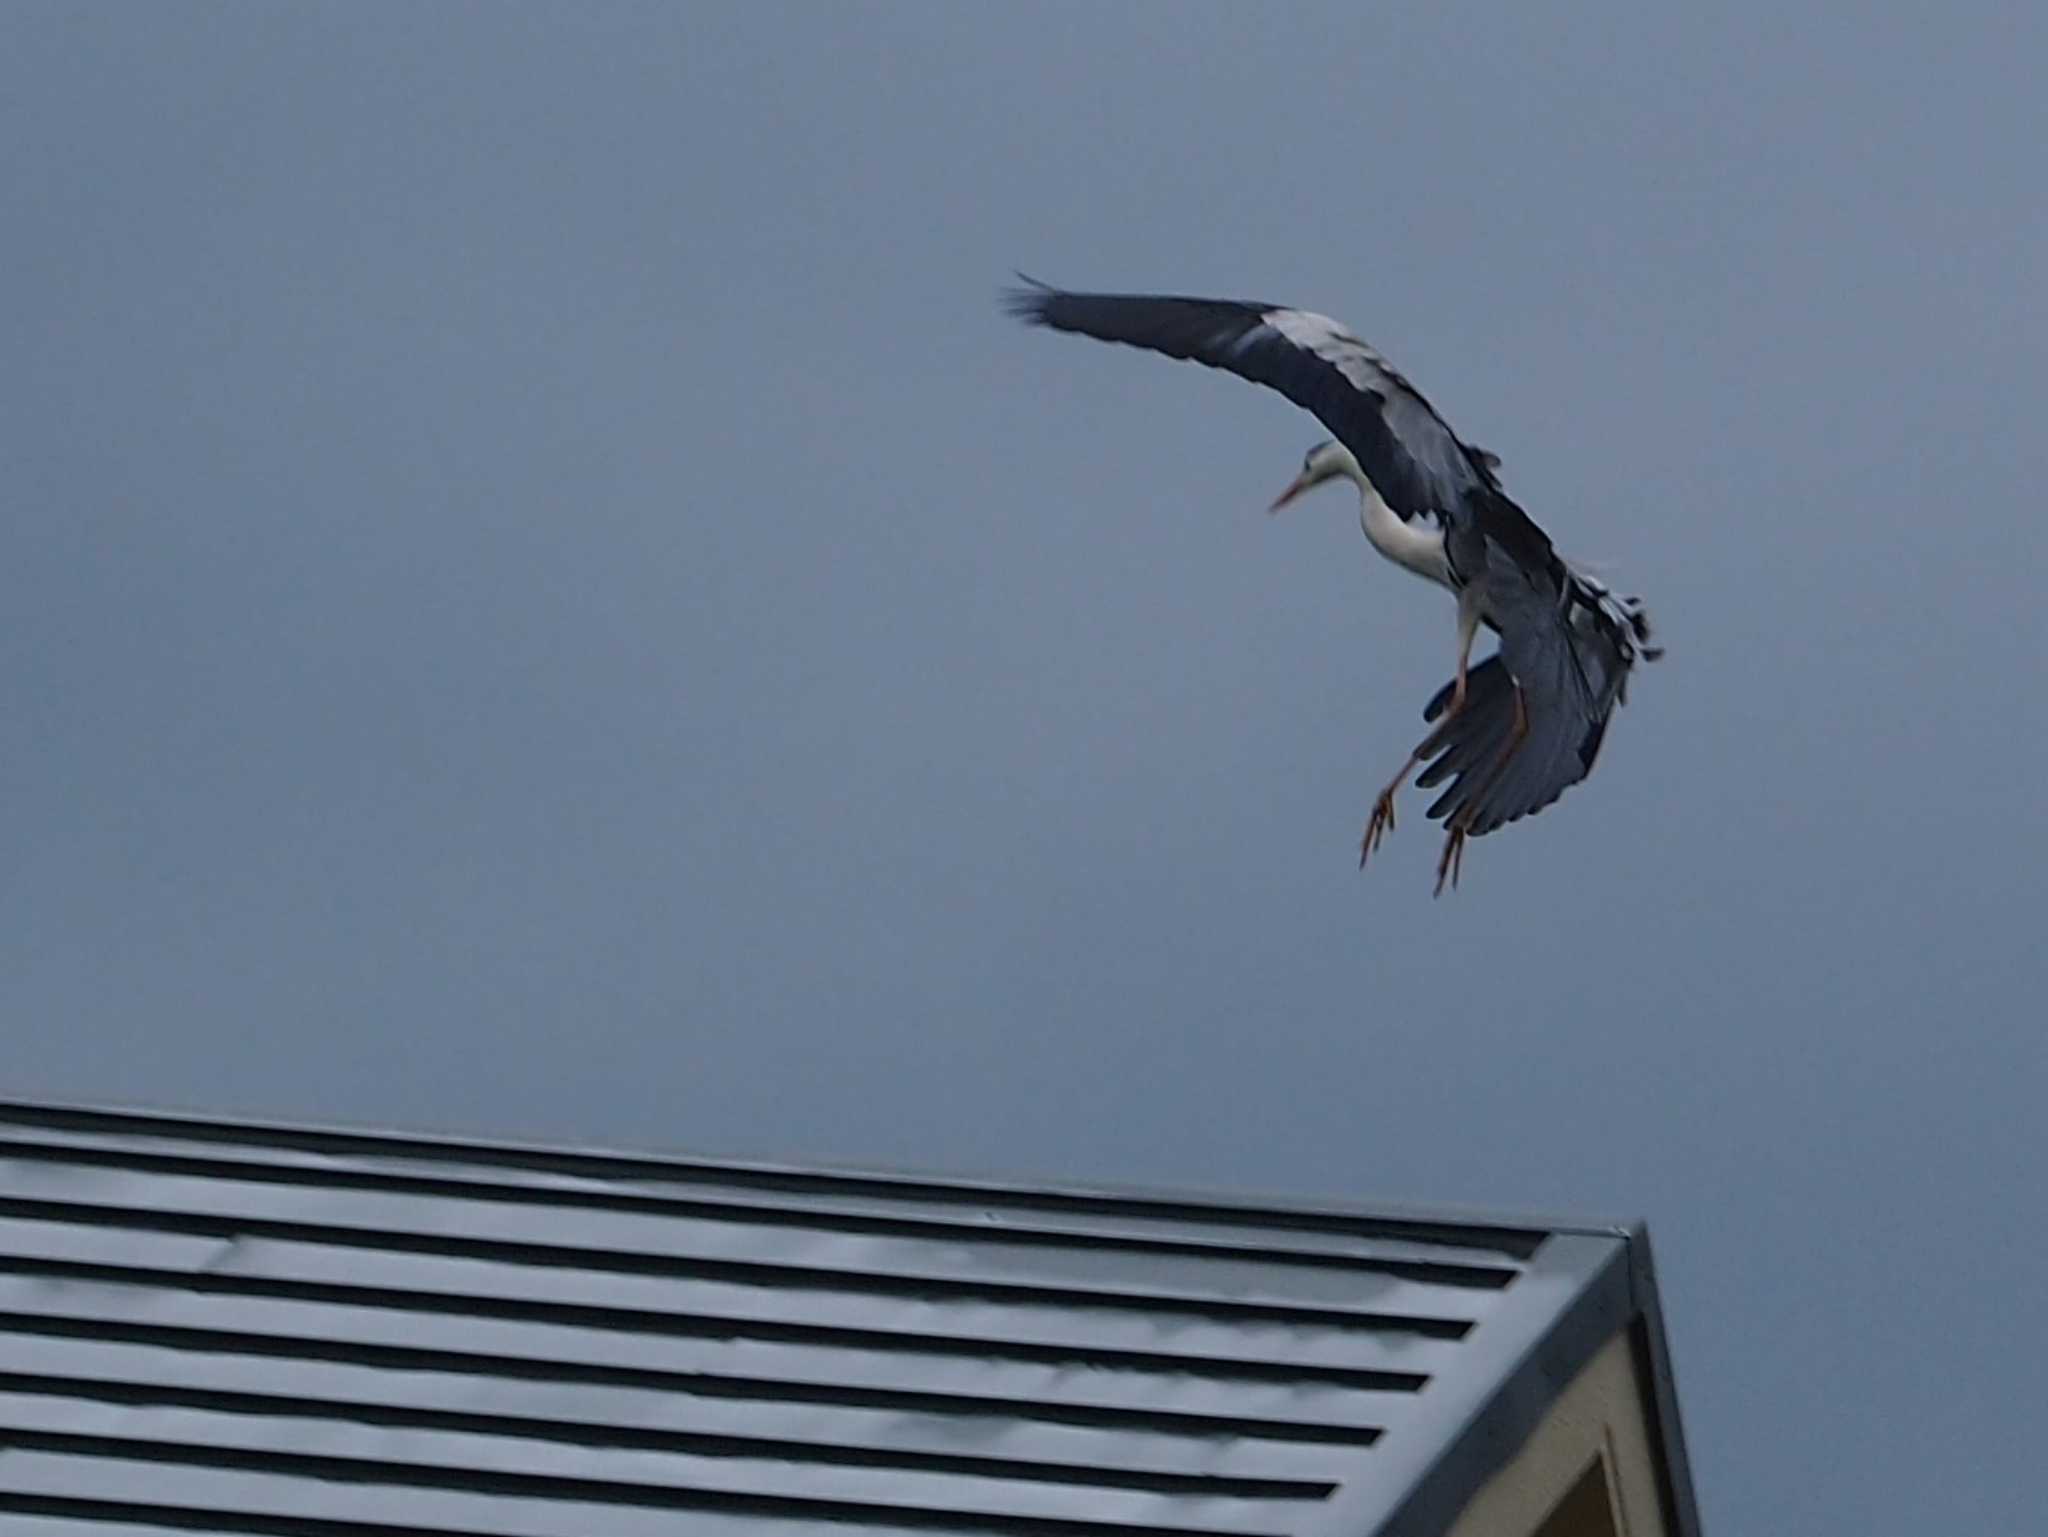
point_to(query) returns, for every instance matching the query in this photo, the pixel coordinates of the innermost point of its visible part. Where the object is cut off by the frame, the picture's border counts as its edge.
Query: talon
(1452, 862)
(1377, 828)
(1383, 810)
(1461, 821)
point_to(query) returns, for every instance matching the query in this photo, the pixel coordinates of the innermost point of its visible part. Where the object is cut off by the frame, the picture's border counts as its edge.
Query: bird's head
(1326, 461)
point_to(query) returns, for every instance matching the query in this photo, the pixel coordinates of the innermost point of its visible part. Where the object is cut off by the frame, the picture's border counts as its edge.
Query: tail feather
(1629, 619)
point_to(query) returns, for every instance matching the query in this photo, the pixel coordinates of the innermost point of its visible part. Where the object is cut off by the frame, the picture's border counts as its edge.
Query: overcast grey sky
(542, 597)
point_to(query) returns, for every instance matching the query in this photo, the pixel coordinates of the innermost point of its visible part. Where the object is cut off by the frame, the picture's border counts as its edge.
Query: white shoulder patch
(1332, 343)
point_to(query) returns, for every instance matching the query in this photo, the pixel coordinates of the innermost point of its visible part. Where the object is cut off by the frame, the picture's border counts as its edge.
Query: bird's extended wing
(1572, 666)
(1417, 464)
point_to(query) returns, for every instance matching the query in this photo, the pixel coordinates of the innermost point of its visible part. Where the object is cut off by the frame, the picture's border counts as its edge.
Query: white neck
(1420, 550)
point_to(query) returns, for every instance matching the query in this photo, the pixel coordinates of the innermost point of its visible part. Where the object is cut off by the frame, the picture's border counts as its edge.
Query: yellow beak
(1294, 489)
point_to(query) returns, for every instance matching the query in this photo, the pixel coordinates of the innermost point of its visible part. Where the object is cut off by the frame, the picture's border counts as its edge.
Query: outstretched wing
(1417, 464)
(1572, 667)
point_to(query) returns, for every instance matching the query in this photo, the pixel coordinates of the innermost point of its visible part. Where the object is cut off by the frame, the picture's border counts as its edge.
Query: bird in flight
(1511, 734)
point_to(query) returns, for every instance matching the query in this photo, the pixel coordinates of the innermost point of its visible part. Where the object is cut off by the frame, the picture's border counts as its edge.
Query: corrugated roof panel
(206, 1326)
(1334, 1344)
(1195, 1265)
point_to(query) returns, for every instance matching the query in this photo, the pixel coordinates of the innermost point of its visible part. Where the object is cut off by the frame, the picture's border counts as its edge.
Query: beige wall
(1602, 1415)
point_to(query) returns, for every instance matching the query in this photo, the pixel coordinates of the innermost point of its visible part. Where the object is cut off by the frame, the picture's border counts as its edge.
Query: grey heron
(1515, 732)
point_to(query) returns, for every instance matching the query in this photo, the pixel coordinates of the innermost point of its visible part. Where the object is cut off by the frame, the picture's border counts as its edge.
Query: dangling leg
(1468, 627)
(1383, 809)
(1382, 820)
(1453, 858)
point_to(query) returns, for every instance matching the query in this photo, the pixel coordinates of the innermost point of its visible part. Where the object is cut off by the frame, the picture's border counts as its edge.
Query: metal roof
(228, 1327)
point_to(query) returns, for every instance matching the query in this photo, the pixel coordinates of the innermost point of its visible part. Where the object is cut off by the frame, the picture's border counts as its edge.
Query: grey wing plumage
(1572, 667)
(1411, 456)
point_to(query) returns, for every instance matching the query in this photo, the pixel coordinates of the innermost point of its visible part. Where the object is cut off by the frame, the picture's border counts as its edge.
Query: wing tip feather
(1031, 303)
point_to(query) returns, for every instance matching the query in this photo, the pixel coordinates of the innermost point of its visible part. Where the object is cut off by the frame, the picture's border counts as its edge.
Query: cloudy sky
(542, 597)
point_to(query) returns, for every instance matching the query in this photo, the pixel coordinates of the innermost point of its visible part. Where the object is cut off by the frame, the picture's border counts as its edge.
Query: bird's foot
(1379, 826)
(1452, 861)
